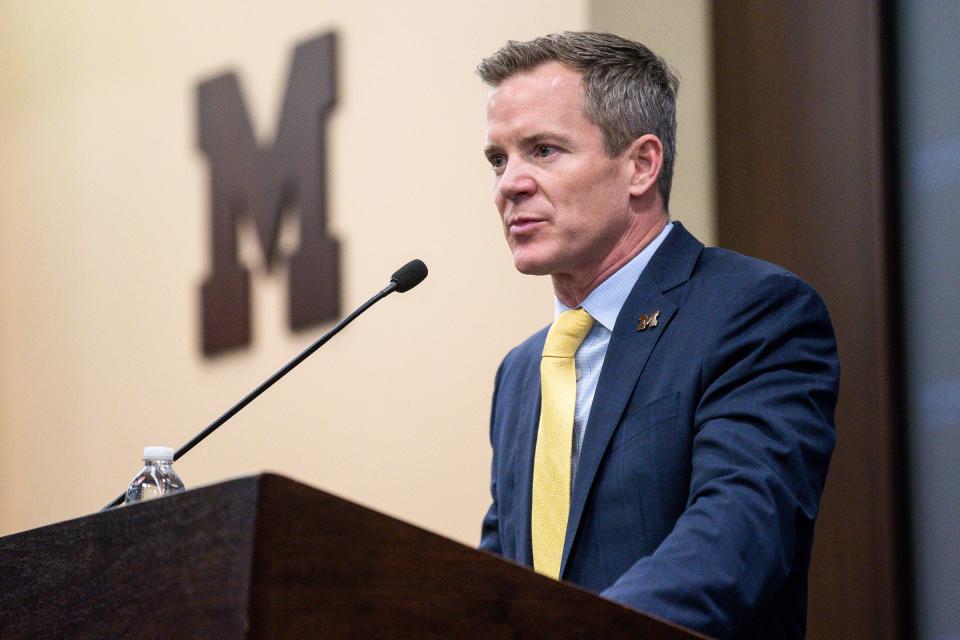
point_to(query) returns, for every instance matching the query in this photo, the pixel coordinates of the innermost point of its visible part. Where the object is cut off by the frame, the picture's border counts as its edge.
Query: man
(666, 441)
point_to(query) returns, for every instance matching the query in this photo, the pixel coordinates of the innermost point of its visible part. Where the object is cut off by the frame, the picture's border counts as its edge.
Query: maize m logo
(252, 184)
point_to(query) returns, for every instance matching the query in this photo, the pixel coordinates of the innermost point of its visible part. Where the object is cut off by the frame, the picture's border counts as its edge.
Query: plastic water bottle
(157, 478)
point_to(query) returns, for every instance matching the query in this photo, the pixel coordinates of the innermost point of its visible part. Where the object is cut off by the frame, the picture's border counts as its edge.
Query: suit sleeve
(490, 531)
(763, 436)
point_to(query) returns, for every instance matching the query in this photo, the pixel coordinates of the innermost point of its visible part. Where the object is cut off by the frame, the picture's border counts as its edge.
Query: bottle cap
(158, 453)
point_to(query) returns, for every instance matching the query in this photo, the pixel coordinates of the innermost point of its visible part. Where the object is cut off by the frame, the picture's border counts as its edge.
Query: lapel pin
(648, 321)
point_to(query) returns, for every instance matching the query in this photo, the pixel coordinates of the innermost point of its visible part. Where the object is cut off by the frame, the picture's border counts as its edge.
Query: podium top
(265, 556)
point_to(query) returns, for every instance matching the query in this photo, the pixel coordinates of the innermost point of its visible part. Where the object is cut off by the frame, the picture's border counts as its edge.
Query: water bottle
(157, 478)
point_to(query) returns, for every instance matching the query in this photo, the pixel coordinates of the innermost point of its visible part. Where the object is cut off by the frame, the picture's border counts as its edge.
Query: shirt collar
(604, 303)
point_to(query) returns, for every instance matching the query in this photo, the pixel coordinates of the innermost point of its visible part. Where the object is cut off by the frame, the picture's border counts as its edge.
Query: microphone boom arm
(287, 368)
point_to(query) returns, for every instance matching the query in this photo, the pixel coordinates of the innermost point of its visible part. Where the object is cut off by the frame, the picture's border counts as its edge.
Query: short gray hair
(629, 91)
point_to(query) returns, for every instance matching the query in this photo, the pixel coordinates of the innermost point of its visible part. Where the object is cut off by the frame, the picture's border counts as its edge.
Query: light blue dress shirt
(603, 304)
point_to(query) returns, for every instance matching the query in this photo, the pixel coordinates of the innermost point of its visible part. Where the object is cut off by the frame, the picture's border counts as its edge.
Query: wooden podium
(267, 557)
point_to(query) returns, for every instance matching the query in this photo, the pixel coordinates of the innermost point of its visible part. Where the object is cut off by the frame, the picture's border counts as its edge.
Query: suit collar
(674, 261)
(626, 357)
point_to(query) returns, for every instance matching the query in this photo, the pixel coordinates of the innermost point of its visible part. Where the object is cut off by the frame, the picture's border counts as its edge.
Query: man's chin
(532, 267)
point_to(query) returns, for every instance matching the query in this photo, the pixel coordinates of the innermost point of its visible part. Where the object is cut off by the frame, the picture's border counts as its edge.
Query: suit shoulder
(723, 262)
(734, 272)
(527, 351)
(532, 346)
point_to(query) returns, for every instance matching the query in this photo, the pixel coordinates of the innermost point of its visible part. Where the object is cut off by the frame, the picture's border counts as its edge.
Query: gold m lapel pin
(648, 321)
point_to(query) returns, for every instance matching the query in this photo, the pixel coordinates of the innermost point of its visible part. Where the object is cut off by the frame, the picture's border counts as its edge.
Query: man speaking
(665, 441)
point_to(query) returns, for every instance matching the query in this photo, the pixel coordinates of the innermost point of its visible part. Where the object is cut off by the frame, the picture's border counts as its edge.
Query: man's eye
(497, 162)
(543, 150)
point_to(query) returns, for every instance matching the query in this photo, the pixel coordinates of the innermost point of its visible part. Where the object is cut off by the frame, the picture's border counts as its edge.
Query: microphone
(405, 278)
(409, 275)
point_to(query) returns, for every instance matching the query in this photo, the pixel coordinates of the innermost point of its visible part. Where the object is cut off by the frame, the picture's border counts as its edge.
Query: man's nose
(516, 182)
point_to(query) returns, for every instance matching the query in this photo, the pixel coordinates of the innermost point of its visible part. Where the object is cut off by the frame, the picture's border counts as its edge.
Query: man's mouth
(524, 224)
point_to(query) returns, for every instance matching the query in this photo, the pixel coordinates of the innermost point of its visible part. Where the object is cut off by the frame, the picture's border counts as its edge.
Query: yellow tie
(551, 464)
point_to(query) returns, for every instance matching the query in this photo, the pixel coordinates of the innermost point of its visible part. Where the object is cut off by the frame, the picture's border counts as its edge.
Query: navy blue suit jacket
(705, 452)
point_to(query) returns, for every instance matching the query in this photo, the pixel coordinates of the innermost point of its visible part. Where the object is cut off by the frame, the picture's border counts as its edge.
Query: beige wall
(103, 243)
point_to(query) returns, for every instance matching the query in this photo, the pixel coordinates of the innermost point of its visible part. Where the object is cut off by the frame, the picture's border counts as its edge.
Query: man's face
(564, 204)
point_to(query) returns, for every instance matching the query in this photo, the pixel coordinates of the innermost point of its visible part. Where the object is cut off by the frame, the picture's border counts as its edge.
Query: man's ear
(646, 157)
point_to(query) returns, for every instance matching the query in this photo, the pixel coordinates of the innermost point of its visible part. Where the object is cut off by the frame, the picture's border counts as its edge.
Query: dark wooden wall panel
(801, 182)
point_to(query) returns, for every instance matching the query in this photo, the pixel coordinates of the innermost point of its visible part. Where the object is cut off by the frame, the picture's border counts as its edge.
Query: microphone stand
(287, 368)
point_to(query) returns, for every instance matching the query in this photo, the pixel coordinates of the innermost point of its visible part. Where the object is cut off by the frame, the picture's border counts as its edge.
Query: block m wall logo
(248, 182)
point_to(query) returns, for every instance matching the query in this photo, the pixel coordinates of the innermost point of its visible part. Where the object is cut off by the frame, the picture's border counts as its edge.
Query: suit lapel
(625, 360)
(529, 424)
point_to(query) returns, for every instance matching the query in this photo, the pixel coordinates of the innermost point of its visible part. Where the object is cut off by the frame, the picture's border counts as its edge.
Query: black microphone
(409, 275)
(405, 278)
